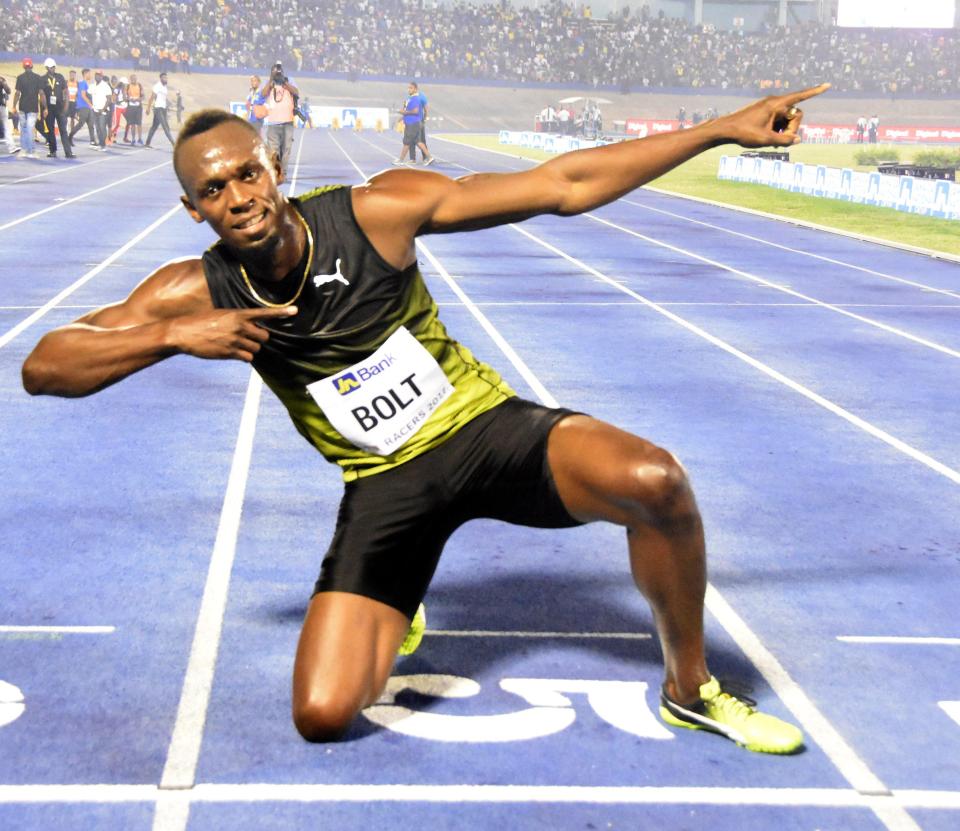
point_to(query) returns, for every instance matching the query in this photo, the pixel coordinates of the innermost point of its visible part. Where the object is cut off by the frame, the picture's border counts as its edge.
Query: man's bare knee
(324, 719)
(663, 491)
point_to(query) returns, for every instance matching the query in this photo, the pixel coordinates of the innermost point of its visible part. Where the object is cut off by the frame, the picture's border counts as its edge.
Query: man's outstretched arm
(169, 313)
(574, 182)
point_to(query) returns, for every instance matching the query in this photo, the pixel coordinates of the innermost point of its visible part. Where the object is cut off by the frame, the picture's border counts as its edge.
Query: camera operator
(280, 97)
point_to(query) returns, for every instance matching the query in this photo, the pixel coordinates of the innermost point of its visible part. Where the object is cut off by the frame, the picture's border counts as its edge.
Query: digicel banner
(840, 133)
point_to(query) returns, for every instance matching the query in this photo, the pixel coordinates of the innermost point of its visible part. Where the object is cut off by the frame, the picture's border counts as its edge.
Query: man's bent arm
(110, 343)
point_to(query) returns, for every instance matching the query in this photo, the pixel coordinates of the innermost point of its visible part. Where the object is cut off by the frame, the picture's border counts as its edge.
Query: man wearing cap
(29, 100)
(280, 96)
(55, 116)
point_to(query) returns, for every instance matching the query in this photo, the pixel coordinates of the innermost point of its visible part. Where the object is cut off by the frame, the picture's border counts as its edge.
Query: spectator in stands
(493, 40)
(158, 102)
(29, 101)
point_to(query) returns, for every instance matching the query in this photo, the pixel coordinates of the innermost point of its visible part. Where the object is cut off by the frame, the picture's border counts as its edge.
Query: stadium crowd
(557, 42)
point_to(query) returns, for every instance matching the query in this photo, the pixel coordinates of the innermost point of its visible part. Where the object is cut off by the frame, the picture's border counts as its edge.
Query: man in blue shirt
(422, 143)
(256, 103)
(412, 113)
(84, 107)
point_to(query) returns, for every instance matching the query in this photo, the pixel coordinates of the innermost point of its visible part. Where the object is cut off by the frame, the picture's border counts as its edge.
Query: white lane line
(266, 792)
(867, 427)
(908, 641)
(893, 330)
(29, 321)
(842, 755)
(66, 630)
(801, 251)
(951, 708)
(184, 751)
(183, 755)
(68, 168)
(900, 246)
(839, 309)
(729, 305)
(73, 199)
(472, 633)
(813, 226)
(24, 308)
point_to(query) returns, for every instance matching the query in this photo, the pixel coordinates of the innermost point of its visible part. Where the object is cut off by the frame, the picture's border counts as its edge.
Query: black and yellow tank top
(350, 332)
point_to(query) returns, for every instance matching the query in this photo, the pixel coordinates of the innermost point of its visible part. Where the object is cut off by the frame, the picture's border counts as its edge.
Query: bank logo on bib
(346, 383)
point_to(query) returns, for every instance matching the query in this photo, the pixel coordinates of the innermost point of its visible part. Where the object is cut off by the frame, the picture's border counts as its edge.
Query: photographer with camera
(280, 97)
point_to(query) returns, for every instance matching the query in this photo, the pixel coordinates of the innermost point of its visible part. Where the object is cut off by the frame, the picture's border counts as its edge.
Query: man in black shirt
(58, 99)
(29, 100)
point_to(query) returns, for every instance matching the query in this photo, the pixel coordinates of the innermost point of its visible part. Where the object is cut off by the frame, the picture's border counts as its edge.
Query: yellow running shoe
(734, 717)
(415, 634)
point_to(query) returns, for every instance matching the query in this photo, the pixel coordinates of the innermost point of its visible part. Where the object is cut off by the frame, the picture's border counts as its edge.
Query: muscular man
(324, 296)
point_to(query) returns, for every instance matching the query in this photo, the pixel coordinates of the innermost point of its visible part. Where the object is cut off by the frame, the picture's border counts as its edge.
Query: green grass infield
(698, 178)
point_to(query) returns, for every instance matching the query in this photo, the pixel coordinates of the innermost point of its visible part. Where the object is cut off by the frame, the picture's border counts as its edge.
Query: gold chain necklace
(303, 282)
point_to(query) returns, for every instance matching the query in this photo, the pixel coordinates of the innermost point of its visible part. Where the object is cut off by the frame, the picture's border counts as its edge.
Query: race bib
(382, 402)
(52, 99)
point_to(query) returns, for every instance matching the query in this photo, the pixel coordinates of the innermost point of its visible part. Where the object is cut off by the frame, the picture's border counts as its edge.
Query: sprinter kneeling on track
(323, 295)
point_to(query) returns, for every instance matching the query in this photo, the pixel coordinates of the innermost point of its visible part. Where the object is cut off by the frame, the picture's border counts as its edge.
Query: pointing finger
(804, 94)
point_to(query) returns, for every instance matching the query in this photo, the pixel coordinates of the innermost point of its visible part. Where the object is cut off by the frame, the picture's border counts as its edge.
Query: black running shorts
(392, 526)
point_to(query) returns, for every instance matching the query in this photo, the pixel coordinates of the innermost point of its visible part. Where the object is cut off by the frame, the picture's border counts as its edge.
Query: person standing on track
(134, 128)
(158, 101)
(323, 295)
(29, 100)
(84, 107)
(55, 115)
(412, 113)
(280, 95)
(422, 142)
(101, 94)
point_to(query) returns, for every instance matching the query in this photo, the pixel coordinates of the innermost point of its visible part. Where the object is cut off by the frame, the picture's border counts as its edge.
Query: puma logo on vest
(321, 279)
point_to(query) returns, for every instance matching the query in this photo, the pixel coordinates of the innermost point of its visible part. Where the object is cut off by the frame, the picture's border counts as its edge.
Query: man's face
(411, 90)
(254, 82)
(73, 75)
(133, 79)
(163, 79)
(231, 183)
(51, 70)
(98, 77)
(86, 75)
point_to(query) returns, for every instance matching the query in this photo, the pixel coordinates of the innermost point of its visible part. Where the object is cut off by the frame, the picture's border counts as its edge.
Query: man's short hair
(85, 69)
(202, 121)
(414, 85)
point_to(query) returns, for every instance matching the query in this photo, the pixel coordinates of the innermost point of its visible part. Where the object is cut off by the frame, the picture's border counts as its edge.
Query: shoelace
(733, 698)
